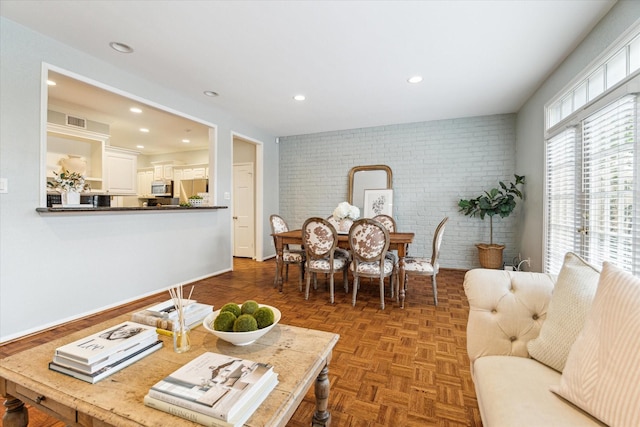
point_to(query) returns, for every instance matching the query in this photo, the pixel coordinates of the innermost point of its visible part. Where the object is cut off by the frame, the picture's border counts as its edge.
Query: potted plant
(496, 201)
(70, 185)
(195, 200)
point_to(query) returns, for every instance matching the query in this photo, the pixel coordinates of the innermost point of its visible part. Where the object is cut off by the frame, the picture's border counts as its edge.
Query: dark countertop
(102, 210)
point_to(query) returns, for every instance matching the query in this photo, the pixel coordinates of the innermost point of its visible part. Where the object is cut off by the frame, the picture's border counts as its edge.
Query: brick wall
(434, 165)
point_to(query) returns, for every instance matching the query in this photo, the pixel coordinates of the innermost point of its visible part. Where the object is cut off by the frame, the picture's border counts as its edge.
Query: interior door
(243, 211)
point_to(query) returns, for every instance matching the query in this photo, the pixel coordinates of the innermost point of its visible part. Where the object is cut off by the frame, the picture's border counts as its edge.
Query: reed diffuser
(181, 338)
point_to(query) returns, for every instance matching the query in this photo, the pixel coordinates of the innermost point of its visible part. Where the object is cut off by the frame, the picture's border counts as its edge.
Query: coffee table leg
(16, 415)
(322, 417)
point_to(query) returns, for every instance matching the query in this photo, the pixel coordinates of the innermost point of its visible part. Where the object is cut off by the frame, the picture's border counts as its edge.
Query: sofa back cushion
(602, 373)
(506, 310)
(570, 302)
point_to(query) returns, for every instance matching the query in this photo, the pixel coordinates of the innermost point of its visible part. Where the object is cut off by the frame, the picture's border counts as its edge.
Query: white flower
(68, 181)
(345, 210)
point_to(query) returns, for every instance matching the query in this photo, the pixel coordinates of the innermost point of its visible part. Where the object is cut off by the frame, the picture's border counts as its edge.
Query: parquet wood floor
(393, 367)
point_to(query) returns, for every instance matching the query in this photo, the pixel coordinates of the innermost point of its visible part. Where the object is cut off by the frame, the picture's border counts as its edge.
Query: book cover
(90, 369)
(243, 414)
(109, 369)
(193, 316)
(214, 384)
(167, 309)
(106, 344)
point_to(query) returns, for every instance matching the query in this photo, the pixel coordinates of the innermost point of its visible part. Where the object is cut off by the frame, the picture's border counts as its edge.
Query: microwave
(162, 188)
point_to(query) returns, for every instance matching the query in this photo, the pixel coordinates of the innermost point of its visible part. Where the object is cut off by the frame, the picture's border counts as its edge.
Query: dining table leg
(402, 252)
(279, 263)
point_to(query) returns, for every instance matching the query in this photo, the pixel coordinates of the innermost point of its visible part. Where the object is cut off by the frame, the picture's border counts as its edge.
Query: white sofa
(507, 310)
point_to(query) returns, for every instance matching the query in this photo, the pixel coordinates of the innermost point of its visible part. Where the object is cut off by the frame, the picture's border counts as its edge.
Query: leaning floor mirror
(363, 179)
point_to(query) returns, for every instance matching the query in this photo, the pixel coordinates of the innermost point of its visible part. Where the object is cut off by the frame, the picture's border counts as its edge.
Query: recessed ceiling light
(139, 146)
(299, 97)
(210, 93)
(186, 141)
(121, 47)
(415, 79)
(145, 130)
(51, 83)
(135, 110)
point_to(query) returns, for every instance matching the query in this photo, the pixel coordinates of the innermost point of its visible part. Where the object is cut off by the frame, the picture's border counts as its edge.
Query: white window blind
(592, 189)
(562, 214)
(609, 140)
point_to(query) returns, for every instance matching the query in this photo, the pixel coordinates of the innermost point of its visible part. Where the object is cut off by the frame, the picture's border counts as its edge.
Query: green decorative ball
(245, 323)
(232, 307)
(224, 321)
(249, 306)
(264, 317)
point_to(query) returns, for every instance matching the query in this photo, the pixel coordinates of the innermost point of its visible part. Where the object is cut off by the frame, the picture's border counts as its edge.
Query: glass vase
(181, 338)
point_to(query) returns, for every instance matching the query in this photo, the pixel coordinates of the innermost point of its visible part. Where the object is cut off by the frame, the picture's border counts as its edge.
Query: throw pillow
(571, 300)
(602, 374)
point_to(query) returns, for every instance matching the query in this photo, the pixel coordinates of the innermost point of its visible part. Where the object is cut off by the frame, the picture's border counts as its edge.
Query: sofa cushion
(514, 391)
(570, 302)
(602, 374)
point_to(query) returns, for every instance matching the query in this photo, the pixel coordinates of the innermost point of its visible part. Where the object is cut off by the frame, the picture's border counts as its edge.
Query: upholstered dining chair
(415, 266)
(369, 242)
(320, 240)
(289, 256)
(340, 252)
(390, 224)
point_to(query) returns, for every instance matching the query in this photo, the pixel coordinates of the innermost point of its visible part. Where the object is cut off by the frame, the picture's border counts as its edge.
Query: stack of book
(104, 353)
(164, 315)
(214, 390)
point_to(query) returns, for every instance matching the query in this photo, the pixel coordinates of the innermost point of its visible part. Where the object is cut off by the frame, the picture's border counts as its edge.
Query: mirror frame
(354, 170)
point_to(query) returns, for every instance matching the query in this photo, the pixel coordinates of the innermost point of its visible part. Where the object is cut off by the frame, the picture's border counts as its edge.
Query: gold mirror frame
(368, 177)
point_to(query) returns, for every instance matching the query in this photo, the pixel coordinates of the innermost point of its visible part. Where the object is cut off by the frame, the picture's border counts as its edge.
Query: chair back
(341, 225)
(437, 240)
(369, 240)
(388, 222)
(319, 238)
(278, 224)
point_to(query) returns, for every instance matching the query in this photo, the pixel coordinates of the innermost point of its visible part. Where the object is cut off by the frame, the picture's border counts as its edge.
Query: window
(592, 190)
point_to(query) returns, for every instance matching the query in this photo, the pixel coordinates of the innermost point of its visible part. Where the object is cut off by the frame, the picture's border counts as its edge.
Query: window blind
(562, 212)
(592, 189)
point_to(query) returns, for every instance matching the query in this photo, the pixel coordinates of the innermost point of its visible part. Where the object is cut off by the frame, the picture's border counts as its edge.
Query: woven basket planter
(490, 255)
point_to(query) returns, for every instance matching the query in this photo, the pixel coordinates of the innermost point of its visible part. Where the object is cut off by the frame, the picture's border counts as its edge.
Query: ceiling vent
(76, 122)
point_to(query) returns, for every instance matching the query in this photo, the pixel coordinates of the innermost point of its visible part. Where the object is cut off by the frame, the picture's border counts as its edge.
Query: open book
(216, 385)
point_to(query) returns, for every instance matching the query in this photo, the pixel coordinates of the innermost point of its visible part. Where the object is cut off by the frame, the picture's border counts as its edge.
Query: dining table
(398, 241)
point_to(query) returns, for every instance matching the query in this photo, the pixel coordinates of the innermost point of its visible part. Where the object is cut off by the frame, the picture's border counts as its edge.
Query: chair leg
(345, 279)
(306, 292)
(277, 278)
(331, 287)
(356, 279)
(301, 278)
(435, 289)
(382, 293)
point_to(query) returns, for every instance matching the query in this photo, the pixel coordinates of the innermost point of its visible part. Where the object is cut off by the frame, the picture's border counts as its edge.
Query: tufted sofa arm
(506, 310)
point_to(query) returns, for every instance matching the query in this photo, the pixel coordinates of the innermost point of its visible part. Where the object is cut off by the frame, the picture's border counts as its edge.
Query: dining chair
(340, 252)
(369, 242)
(390, 224)
(320, 240)
(416, 266)
(289, 256)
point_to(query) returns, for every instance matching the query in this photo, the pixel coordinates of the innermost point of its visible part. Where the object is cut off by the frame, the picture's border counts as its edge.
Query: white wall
(55, 268)
(530, 122)
(434, 164)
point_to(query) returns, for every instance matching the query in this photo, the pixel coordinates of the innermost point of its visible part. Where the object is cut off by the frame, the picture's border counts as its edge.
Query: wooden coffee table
(300, 357)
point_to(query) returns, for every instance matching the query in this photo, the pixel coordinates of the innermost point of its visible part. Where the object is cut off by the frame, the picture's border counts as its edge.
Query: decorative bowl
(240, 338)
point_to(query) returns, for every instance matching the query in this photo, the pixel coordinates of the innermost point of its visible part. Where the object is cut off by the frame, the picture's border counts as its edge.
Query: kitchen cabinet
(145, 178)
(64, 142)
(121, 170)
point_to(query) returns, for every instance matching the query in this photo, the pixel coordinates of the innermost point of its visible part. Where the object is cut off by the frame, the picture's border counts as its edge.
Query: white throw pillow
(602, 374)
(570, 302)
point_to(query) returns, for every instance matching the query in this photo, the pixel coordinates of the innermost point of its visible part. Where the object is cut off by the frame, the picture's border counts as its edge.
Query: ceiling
(351, 59)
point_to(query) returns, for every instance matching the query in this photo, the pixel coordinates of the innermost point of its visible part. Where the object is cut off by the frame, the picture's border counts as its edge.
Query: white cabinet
(121, 170)
(145, 178)
(64, 142)
(177, 177)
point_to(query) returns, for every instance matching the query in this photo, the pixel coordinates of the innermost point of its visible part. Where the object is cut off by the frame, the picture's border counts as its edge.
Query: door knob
(235, 217)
